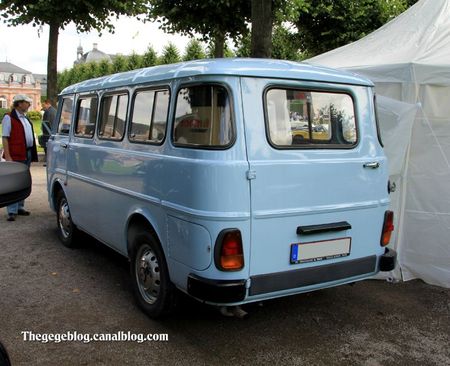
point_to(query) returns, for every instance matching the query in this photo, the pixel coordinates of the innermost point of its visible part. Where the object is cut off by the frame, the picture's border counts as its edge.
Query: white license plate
(320, 250)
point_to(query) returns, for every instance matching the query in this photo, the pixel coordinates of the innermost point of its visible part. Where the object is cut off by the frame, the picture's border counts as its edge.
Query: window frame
(77, 111)
(377, 121)
(100, 113)
(155, 89)
(232, 116)
(310, 146)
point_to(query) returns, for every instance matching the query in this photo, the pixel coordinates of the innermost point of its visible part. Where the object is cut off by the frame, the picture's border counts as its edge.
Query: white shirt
(6, 122)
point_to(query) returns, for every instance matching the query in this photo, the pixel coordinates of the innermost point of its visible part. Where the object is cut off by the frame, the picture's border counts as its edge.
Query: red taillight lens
(229, 254)
(388, 228)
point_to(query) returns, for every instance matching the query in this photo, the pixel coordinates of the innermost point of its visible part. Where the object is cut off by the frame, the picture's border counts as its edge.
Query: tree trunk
(219, 43)
(52, 62)
(261, 28)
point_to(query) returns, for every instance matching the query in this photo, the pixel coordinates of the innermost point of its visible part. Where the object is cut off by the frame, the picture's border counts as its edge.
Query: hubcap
(148, 274)
(65, 222)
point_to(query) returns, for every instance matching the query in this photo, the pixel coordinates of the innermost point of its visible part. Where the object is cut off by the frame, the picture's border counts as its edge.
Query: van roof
(267, 68)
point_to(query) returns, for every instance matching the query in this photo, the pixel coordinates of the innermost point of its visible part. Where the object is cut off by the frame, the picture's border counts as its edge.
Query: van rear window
(298, 118)
(203, 117)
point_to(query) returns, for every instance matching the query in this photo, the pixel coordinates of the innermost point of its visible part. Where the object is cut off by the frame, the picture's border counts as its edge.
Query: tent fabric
(408, 59)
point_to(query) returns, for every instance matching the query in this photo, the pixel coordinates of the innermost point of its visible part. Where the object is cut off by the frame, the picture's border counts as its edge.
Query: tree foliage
(170, 54)
(327, 24)
(87, 15)
(150, 57)
(214, 20)
(194, 51)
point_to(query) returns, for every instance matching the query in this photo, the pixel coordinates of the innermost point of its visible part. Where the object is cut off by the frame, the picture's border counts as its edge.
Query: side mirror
(15, 181)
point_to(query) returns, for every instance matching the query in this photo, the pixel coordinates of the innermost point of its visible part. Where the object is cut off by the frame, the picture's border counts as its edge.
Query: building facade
(15, 80)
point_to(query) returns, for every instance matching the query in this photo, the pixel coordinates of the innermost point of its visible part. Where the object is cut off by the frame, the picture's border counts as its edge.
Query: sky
(23, 47)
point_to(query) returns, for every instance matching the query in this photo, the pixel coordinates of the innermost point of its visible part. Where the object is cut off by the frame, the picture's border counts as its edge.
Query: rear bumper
(232, 291)
(218, 291)
(388, 260)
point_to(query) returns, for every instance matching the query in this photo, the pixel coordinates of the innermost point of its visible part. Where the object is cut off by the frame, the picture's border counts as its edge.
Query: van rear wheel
(153, 290)
(67, 231)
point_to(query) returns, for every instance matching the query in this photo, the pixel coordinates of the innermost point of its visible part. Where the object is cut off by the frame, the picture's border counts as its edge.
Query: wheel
(67, 231)
(152, 288)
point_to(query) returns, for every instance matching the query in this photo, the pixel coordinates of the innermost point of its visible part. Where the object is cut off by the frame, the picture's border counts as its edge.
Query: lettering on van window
(299, 118)
(86, 117)
(113, 116)
(65, 120)
(203, 117)
(149, 120)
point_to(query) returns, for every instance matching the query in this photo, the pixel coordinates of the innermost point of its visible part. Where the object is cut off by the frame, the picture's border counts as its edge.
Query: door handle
(63, 145)
(372, 165)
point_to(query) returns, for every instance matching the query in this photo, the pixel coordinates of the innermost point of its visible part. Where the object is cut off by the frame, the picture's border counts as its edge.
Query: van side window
(65, 120)
(203, 117)
(86, 117)
(149, 120)
(113, 116)
(299, 118)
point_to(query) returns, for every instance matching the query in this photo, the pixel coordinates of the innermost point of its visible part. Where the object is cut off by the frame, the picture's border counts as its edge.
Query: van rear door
(318, 179)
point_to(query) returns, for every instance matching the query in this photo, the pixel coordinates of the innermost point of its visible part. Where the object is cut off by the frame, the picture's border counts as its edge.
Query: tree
(327, 24)
(149, 58)
(214, 20)
(285, 45)
(194, 51)
(119, 64)
(170, 54)
(135, 61)
(262, 20)
(87, 15)
(104, 67)
(227, 51)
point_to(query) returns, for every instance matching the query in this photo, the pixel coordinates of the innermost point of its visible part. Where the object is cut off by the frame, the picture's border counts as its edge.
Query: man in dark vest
(18, 143)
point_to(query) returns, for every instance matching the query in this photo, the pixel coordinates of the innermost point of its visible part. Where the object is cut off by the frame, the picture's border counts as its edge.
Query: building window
(3, 103)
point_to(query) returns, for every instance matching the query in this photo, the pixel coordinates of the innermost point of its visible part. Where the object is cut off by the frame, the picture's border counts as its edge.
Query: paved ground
(47, 288)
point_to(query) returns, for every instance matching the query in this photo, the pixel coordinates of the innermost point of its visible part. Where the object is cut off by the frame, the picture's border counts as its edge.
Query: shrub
(34, 115)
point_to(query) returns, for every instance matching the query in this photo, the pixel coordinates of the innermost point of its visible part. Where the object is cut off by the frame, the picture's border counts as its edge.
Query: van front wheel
(154, 292)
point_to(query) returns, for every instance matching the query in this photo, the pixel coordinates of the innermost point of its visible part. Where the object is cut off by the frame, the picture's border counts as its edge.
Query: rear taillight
(228, 253)
(388, 228)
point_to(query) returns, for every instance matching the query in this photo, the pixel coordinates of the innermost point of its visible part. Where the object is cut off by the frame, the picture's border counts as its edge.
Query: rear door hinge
(251, 174)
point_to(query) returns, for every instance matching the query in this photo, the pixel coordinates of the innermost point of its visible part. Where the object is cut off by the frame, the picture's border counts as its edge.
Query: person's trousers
(15, 207)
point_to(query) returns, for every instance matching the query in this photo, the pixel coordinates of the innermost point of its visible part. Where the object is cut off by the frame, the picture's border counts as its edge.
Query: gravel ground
(47, 288)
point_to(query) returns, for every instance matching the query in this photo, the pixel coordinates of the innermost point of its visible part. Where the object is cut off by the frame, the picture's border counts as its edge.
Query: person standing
(18, 143)
(47, 123)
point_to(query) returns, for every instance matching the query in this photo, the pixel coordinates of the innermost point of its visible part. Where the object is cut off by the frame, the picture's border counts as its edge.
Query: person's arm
(6, 152)
(6, 122)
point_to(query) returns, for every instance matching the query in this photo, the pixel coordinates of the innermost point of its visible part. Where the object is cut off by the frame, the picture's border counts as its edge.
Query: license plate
(320, 250)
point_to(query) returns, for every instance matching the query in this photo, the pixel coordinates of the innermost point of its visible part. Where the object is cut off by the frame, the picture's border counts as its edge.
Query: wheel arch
(141, 221)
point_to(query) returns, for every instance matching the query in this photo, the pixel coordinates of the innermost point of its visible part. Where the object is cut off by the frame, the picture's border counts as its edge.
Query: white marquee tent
(408, 59)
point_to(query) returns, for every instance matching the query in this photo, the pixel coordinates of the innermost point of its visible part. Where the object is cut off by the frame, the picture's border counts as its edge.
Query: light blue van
(234, 180)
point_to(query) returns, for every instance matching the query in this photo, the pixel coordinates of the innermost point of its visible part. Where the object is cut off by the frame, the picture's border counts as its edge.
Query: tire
(152, 288)
(67, 231)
